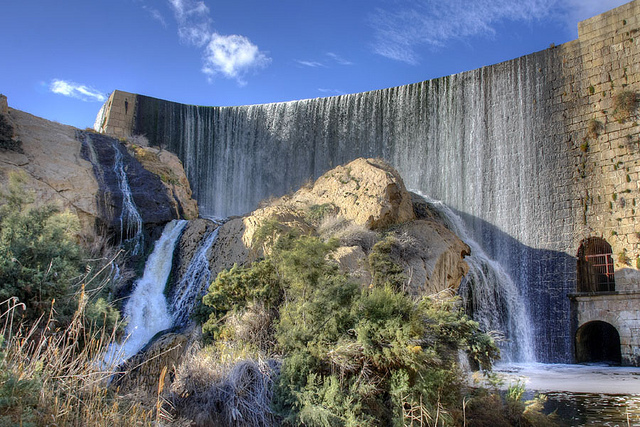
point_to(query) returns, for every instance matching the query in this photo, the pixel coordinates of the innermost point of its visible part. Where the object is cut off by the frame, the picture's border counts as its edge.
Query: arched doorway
(595, 266)
(598, 341)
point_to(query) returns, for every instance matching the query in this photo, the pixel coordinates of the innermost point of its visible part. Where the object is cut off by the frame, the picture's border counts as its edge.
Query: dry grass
(54, 377)
(224, 386)
(625, 104)
(347, 232)
(254, 325)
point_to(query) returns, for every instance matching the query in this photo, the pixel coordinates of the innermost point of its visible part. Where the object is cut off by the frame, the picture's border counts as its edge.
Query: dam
(539, 155)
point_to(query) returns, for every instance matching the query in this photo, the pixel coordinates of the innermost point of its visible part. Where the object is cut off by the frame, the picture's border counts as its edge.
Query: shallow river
(581, 395)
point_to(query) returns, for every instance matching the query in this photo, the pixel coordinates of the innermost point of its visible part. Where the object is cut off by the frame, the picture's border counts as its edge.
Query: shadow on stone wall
(544, 278)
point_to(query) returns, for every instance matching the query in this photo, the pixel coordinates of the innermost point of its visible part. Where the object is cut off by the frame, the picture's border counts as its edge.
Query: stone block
(4, 105)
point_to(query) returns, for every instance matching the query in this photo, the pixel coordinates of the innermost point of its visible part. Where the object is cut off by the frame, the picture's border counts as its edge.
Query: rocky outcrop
(366, 191)
(164, 352)
(54, 169)
(74, 170)
(359, 204)
(166, 166)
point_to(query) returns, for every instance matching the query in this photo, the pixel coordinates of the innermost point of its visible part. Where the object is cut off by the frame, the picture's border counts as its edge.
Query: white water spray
(194, 281)
(146, 311)
(491, 294)
(130, 219)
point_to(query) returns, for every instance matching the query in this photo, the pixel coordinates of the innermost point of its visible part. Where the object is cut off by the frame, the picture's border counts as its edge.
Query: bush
(351, 356)
(39, 258)
(41, 261)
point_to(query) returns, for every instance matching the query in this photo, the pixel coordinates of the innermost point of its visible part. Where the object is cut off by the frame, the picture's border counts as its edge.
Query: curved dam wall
(512, 148)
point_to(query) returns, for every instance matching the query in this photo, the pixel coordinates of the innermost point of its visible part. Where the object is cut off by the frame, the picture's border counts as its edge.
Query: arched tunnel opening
(598, 341)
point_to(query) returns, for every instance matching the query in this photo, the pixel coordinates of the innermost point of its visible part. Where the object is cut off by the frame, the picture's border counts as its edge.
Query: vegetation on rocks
(348, 355)
(56, 320)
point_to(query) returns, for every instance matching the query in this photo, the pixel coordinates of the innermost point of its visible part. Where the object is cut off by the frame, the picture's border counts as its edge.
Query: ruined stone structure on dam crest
(540, 156)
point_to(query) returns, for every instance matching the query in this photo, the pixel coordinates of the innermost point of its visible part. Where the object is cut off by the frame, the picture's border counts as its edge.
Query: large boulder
(367, 191)
(359, 204)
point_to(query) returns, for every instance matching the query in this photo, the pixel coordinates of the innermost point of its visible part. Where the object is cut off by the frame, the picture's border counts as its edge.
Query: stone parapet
(117, 116)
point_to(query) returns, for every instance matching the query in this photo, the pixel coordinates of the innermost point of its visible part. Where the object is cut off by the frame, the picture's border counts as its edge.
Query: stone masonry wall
(117, 117)
(602, 71)
(619, 310)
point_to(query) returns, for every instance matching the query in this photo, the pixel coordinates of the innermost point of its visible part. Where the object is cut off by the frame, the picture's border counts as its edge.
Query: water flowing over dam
(477, 141)
(511, 148)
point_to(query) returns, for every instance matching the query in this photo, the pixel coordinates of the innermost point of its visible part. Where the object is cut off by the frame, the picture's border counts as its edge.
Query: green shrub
(385, 270)
(41, 261)
(39, 258)
(351, 356)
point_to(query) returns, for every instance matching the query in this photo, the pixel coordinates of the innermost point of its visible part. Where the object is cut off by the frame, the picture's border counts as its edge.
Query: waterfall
(491, 295)
(146, 310)
(130, 220)
(193, 282)
(485, 142)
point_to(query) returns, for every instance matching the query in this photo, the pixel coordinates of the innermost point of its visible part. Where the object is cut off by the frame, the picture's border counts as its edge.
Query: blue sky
(59, 59)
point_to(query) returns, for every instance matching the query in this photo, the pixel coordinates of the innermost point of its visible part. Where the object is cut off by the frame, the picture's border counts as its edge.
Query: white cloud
(413, 23)
(75, 90)
(312, 64)
(155, 14)
(194, 22)
(340, 60)
(232, 56)
(331, 91)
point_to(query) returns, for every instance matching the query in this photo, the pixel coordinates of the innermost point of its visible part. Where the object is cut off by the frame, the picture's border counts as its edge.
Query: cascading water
(130, 220)
(193, 282)
(486, 142)
(146, 311)
(490, 294)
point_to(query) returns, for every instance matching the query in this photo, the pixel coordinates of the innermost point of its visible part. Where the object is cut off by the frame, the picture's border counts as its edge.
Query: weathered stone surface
(191, 238)
(168, 168)
(4, 106)
(143, 371)
(367, 191)
(435, 259)
(353, 260)
(56, 172)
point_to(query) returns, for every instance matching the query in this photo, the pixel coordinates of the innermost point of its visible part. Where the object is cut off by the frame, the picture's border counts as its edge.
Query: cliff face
(54, 168)
(76, 170)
